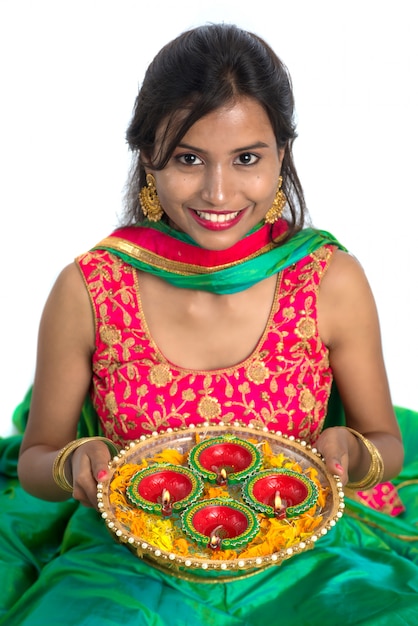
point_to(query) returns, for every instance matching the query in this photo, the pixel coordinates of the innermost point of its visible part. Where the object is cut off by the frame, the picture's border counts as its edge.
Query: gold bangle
(375, 472)
(58, 467)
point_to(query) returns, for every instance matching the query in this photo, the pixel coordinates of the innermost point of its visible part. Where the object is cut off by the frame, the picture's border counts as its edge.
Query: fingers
(89, 466)
(332, 444)
(336, 468)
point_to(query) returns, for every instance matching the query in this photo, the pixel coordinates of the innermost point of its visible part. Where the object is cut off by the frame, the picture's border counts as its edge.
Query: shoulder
(67, 318)
(68, 295)
(345, 298)
(344, 276)
(69, 280)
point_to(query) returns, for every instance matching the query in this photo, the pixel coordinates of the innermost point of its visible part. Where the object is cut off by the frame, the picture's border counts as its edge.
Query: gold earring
(275, 211)
(150, 203)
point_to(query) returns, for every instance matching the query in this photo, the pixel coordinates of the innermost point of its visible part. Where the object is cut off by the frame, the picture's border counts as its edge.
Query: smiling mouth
(217, 218)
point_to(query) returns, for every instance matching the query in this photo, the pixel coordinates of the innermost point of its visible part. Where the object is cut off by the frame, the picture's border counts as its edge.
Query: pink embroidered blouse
(284, 384)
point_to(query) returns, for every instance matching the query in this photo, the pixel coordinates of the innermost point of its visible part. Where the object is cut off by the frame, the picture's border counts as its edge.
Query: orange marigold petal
(181, 546)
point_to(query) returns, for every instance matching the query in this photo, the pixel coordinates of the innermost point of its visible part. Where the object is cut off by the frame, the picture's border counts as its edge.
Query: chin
(219, 241)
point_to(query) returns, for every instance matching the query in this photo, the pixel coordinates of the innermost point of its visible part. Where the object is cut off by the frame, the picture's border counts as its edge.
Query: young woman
(214, 287)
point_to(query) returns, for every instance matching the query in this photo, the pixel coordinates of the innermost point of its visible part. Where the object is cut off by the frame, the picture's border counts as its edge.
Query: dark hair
(196, 73)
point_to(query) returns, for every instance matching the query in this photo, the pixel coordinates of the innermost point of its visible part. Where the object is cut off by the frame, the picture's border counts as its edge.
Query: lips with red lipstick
(213, 220)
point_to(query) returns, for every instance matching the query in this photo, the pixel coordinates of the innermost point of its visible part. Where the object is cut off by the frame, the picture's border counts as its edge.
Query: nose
(218, 186)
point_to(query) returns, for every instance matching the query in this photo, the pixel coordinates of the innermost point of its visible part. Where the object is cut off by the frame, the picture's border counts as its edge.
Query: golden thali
(219, 501)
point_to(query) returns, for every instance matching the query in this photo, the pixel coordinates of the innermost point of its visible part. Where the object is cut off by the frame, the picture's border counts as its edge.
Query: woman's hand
(348, 456)
(334, 446)
(349, 327)
(89, 465)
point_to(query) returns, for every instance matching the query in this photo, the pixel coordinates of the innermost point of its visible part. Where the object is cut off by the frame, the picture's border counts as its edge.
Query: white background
(70, 71)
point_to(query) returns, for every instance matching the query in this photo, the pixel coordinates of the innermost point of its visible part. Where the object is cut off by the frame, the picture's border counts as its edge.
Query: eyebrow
(254, 146)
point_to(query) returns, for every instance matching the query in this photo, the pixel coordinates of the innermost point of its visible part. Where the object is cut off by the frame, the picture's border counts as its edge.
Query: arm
(349, 326)
(62, 380)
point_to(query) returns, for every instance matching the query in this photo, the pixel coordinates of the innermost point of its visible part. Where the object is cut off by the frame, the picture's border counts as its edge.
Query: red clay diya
(280, 493)
(220, 524)
(225, 460)
(164, 489)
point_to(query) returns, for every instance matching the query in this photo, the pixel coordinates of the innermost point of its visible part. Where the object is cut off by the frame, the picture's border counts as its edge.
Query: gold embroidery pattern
(257, 372)
(209, 408)
(284, 384)
(176, 267)
(160, 375)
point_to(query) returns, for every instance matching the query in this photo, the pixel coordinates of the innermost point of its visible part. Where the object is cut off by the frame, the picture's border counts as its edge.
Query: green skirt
(59, 565)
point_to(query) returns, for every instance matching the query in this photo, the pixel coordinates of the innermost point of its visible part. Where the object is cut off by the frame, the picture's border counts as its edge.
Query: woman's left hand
(333, 444)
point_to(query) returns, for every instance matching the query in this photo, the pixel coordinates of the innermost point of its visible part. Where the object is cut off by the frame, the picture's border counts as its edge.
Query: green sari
(60, 565)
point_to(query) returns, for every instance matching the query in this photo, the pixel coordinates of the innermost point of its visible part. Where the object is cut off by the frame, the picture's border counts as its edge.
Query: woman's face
(222, 178)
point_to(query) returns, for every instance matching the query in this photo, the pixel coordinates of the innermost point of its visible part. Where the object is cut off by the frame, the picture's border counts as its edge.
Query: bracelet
(375, 472)
(58, 467)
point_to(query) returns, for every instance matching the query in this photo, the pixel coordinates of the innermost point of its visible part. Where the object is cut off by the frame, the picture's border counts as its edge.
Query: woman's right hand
(62, 382)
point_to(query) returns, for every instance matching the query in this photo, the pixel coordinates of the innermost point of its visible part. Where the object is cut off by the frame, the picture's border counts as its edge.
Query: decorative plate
(171, 540)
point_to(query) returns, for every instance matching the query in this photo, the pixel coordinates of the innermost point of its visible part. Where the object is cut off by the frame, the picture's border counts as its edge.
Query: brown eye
(189, 159)
(247, 158)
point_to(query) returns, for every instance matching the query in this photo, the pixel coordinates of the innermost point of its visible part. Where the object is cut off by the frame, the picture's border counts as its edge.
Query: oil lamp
(164, 489)
(280, 493)
(225, 460)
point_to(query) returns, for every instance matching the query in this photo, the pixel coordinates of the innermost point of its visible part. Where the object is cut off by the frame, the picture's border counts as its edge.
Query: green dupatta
(175, 257)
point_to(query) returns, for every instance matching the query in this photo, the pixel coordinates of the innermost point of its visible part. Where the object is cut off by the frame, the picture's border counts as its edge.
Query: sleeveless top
(283, 385)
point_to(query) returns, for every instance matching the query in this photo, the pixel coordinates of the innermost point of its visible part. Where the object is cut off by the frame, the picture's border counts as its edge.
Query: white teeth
(217, 217)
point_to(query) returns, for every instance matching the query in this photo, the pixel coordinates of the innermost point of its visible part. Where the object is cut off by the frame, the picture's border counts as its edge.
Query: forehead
(243, 116)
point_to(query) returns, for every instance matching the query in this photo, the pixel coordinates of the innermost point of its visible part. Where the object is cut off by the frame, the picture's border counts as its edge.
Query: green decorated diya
(164, 489)
(220, 524)
(225, 460)
(280, 493)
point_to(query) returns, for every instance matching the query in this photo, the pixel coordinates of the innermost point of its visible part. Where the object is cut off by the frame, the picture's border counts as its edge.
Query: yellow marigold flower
(138, 526)
(170, 456)
(181, 546)
(294, 466)
(278, 461)
(215, 492)
(266, 448)
(224, 555)
(160, 533)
